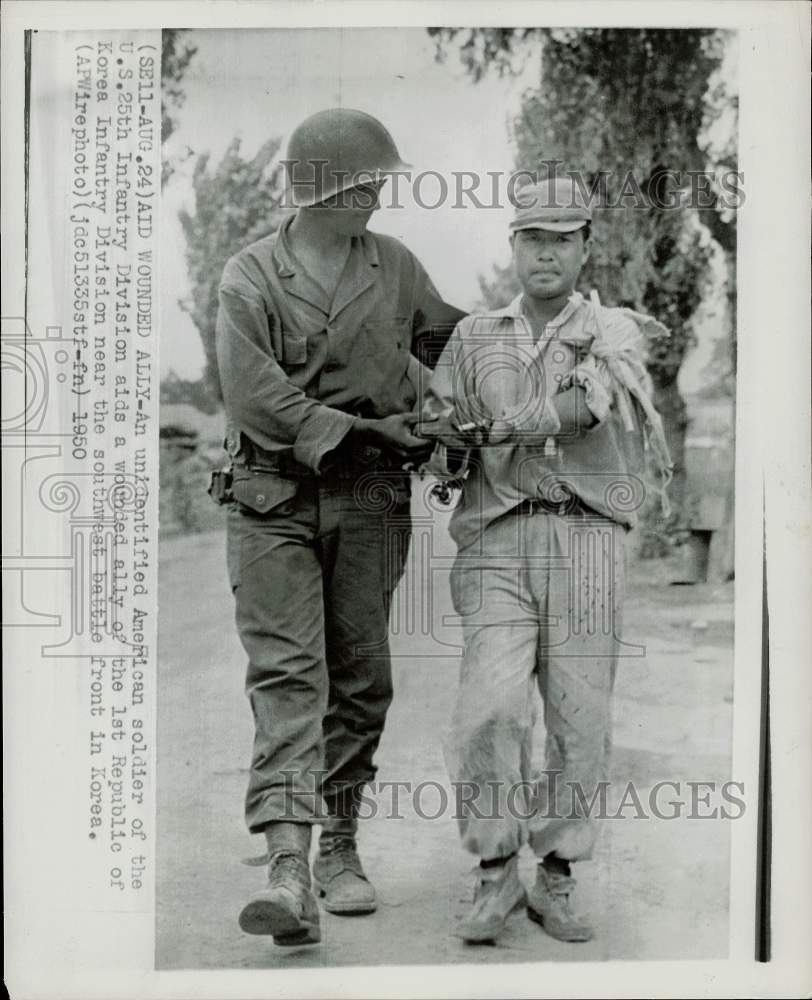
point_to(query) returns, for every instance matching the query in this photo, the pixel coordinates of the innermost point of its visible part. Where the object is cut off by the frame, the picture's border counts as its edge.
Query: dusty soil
(656, 889)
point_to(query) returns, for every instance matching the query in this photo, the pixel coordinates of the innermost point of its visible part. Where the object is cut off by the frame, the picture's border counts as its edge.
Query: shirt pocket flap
(262, 491)
(294, 348)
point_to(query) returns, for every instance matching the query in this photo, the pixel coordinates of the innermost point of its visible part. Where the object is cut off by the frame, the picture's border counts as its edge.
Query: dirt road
(656, 889)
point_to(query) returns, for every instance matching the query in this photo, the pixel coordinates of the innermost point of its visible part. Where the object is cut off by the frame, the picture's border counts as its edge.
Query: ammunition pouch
(261, 489)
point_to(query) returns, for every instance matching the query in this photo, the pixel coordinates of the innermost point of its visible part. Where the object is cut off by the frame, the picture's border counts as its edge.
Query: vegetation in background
(197, 393)
(176, 54)
(237, 202)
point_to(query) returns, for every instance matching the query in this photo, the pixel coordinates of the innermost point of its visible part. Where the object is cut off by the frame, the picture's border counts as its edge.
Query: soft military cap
(557, 205)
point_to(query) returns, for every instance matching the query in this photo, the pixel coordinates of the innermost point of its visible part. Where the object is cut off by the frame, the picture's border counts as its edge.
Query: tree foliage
(613, 104)
(235, 204)
(481, 49)
(176, 54)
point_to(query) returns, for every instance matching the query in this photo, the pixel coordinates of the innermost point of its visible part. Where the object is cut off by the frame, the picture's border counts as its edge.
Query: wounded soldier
(546, 406)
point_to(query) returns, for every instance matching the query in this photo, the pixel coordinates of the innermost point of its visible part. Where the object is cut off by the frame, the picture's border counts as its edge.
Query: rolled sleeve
(323, 430)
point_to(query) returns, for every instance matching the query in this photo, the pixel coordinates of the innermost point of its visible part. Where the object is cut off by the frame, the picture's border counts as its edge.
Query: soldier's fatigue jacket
(295, 368)
(313, 555)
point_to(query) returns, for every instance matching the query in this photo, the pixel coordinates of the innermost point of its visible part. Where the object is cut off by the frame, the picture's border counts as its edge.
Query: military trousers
(312, 578)
(540, 601)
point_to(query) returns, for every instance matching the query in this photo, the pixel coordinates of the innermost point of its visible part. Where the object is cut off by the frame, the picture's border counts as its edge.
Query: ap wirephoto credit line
(85, 448)
(392, 452)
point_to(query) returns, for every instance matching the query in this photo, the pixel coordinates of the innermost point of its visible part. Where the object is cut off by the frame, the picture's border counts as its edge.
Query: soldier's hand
(395, 433)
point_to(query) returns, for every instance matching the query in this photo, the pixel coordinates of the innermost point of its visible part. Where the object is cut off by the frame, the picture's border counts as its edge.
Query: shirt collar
(573, 303)
(513, 310)
(370, 247)
(287, 263)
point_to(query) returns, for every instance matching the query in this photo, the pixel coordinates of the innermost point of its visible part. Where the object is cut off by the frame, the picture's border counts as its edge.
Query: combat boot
(286, 907)
(339, 878)
(498, 893)
(548, 904)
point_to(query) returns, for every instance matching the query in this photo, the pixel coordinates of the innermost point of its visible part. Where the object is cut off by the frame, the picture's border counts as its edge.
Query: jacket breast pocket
(386, 338)
(294, 349)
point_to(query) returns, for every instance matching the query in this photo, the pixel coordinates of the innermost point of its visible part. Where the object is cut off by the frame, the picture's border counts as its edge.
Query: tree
(614, 104)
(236, 204)
(176, 54)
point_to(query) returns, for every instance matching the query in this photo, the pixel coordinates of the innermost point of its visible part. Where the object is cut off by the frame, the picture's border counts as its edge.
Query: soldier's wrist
(363, 429)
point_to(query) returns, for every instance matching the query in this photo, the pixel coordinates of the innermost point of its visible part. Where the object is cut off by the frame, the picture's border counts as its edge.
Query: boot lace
(286, 867)
(343, 854)
(559, 885)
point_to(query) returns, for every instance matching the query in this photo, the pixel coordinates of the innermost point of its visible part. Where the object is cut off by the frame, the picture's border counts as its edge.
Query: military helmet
(336, 149)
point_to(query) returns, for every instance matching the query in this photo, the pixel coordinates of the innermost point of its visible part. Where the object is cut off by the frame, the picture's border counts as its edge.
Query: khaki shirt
(493, 370)
(296, 369)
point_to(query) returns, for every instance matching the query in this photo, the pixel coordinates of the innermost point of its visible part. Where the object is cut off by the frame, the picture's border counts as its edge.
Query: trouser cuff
(284, 836)
(342, 826)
